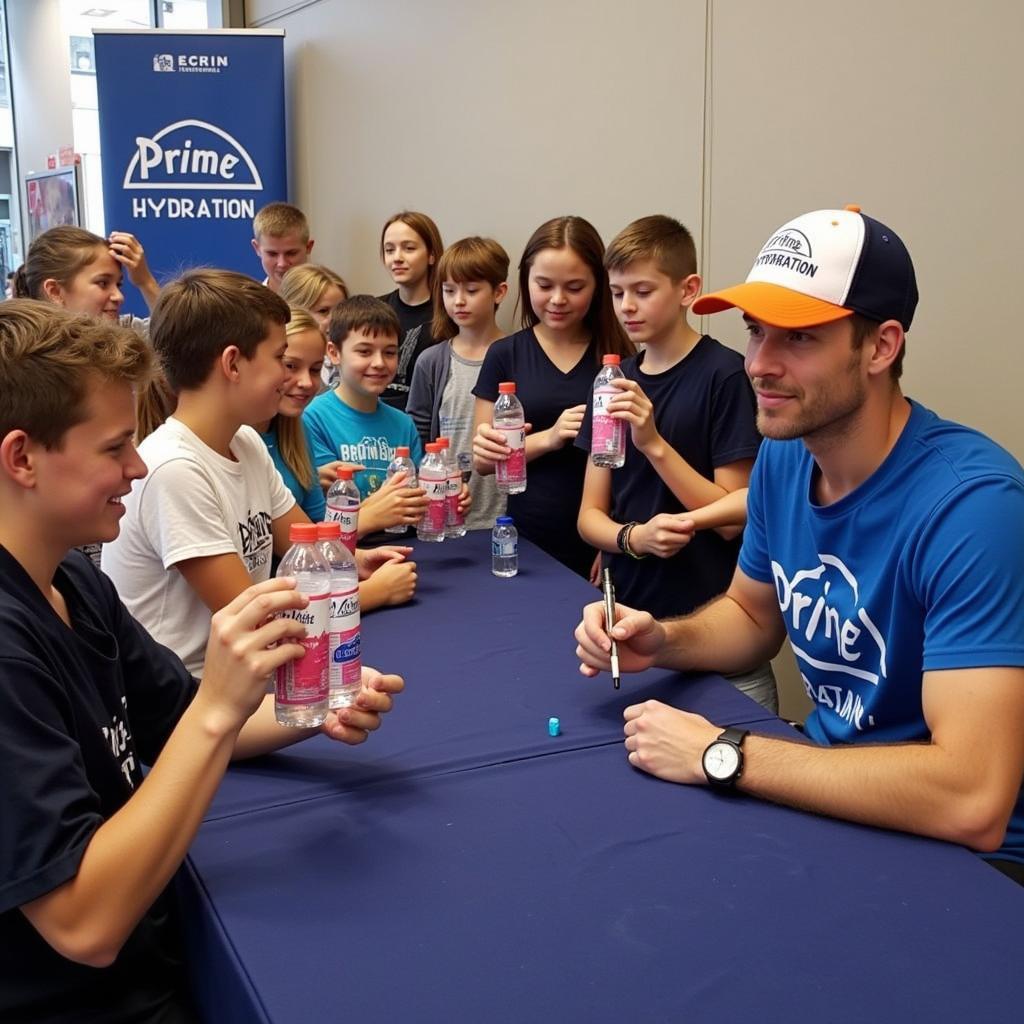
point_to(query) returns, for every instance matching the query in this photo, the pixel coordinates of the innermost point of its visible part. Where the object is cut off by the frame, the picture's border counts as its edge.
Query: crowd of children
(244, 399)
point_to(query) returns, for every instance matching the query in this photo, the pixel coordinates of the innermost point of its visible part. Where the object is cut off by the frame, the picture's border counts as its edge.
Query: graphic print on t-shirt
(832, 635)
(120, 741)
(372, 452)
(256, 535)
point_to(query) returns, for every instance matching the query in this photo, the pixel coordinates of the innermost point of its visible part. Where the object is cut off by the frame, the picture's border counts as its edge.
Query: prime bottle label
(305, 680)
(345, 668)
(607, 434)
(514, 467)
(436, 516)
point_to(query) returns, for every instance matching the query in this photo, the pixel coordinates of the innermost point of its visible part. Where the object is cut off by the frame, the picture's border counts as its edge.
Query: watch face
(721, 760)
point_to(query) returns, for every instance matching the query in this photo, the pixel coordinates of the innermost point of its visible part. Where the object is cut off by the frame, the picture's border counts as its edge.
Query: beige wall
(494, 116)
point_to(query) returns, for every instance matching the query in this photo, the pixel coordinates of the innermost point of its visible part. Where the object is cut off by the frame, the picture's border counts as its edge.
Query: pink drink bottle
(344, 667)
(401, 463)
(301, 686)
(607, 435)
(456, 521)
(343, 502)
(508, 417)
(434, 480)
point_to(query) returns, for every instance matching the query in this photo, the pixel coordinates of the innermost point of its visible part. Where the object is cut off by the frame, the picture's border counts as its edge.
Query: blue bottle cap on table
(503, 521)
(554, 727)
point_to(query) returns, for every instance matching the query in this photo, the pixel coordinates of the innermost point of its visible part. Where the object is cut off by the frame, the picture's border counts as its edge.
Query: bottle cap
(345, 473)
(401, 452)
(503, 521)
(507, 388)
(432, 448)
(554, 727)
(328, 531)
(302, 533)
(444, 442)
(611, 359)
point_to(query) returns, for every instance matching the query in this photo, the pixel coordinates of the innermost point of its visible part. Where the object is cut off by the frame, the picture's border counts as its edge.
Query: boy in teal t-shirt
(350, 424)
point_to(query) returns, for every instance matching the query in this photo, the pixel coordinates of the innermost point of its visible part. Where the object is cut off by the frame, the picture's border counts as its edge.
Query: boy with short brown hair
(86, 850)
(280, 240)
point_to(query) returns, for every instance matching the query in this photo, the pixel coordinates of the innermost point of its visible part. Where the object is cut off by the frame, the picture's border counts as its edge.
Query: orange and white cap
(821, 267)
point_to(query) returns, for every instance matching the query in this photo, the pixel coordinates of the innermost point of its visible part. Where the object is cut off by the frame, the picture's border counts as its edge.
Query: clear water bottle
(301, 686)
(510, 420)
(344, 666)
(343, 502)
(455, 522)
(434, 480)
(401, 463)
(504, 548)
(608, 435)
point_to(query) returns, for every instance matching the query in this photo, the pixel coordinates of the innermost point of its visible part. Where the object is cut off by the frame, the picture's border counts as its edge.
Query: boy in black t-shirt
(691, 442)
(87, 847)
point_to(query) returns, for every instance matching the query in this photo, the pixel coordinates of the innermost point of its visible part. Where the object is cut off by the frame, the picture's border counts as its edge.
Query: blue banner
(192, 135)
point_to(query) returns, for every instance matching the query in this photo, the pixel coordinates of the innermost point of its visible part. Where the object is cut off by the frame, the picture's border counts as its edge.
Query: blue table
(486, 661)
(573, 888)
(465, 866)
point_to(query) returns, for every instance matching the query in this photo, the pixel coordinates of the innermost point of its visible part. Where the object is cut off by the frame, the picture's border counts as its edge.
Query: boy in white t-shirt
(207, 519)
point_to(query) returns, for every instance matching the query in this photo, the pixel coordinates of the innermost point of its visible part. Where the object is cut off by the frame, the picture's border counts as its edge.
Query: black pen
(609, 619)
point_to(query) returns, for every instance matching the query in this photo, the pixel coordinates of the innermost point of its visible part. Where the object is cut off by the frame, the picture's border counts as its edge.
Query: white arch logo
(219, 168)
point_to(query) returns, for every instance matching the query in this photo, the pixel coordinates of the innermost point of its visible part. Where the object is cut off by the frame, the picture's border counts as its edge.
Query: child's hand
(489, 445)
(465, 500)
(633, 406)
(128, 251)
(354, 724)
(329, 472)
(663, 535)
(393, 583)
(566, 427)
(369, 560)
(247, 643)
(392, 504)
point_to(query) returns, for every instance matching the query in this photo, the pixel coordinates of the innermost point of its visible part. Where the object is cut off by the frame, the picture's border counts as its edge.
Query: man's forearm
(915, 787)
(720, 637)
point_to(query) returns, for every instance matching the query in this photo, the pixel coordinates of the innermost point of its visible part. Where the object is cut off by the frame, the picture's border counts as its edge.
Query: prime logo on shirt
(832, 635)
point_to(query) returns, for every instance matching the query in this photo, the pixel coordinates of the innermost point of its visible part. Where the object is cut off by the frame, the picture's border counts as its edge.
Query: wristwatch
(723, 759)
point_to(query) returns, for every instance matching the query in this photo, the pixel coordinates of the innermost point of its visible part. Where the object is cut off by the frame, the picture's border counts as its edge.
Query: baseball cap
(821, 267)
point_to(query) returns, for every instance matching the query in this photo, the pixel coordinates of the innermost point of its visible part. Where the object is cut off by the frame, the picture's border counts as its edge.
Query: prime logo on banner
(192, 132)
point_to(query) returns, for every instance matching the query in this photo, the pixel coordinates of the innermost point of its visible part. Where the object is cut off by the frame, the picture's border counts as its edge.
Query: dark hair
(658, 238)
(362, 313)
(861, 328)
(47, 358)
(469, 259)
(581, 236)
(201, 314)
(58, 254)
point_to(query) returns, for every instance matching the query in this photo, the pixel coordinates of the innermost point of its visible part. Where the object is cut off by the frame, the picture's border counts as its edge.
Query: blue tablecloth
(463, 866)
(573, 888)
(487, 662)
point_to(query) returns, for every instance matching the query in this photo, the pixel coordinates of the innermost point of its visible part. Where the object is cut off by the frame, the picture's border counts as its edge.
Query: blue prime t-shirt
(310, 499)
(919, 569)
(337, 431)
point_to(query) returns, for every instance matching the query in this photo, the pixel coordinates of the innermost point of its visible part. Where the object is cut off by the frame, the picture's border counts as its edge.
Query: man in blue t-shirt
(887, 545)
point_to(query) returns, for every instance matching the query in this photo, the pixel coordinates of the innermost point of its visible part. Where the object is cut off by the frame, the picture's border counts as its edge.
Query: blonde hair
(48, 357)
(58, 254)
(278, 219)
(303, 285)
(291, 436)
(426, 229)
(469, 259)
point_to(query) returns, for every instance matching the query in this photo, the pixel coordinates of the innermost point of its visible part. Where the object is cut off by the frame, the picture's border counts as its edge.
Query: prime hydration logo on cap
(191, 156)
(788, 249)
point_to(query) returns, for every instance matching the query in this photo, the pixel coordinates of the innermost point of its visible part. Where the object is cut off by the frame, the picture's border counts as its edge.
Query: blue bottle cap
(503, 521)
(554, 727)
